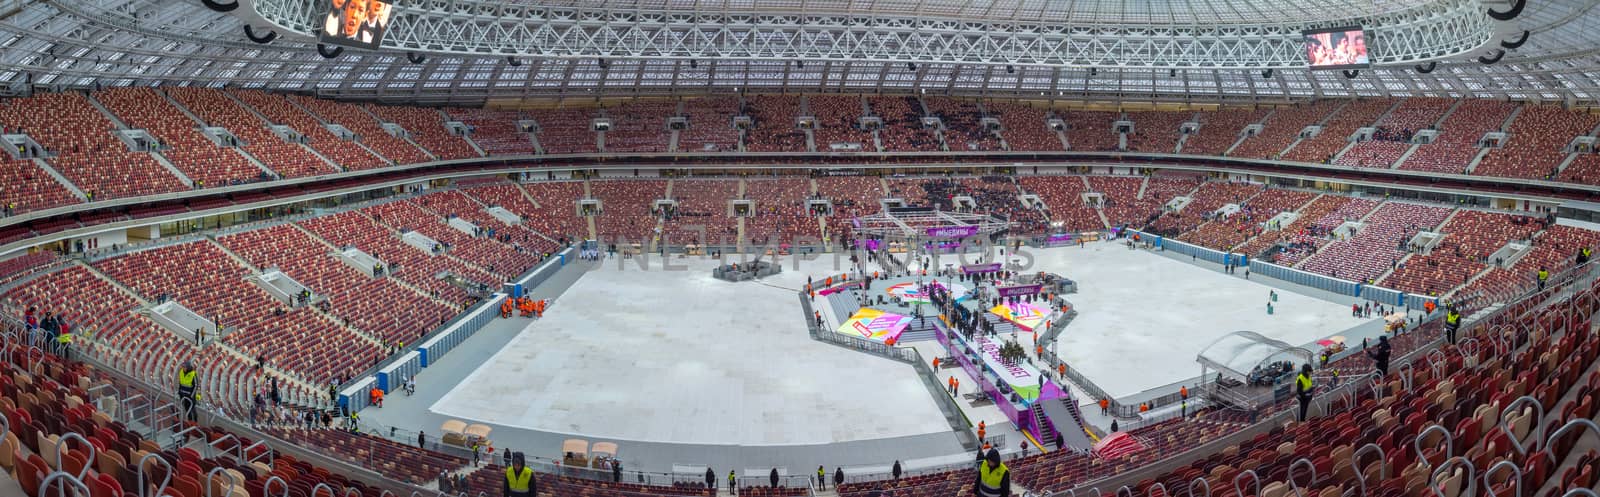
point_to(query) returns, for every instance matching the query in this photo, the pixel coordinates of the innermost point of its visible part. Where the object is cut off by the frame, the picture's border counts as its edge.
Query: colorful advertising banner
(980, 268)
(1021, 377)
(875, 325)
(1012, 291)
(908, 292)
(871, 245)
(1060, 237)
(1025, 315)
(953, 231)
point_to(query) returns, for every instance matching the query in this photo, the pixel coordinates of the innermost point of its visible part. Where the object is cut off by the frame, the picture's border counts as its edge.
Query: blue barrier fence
(1383, 295)
(393, 376)
(459, 331)
(1377, 294)
(1313, 280)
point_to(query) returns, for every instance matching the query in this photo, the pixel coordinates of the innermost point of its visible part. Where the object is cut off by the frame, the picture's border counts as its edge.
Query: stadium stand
(1296, 236)
(1458, 137)
(902, 125)
(626, 206)
(773, 124)
(1091, 131)
(1157, 131)
(1470, 238)
(491, 262)
(710, 125)
(1220, 129)
(1378, 247)
(639, 126)
(1063, 196)
(1536, 142)
(1283, 127)
(963, 126)
(702, 202)
(289, 160)
(83, 148)
(1024, 127)
(1394, 132)
(1336, 131)
(24, 187)
(1203, 206)
(369, 132)
(780, 210)
(555, 216)
(426, 128)
(1229, 231)
(183, 144)
(280, 110)
(852, 196)
(838, 122)
(495, 131)
(566, 130)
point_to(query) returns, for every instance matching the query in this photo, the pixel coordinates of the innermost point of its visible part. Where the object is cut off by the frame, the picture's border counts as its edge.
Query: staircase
(324, 122)
(104, 111)
(1142, 186)
(160, 159)
(1043, 428)
(44, 165)
(1404, 156)
(185, 110)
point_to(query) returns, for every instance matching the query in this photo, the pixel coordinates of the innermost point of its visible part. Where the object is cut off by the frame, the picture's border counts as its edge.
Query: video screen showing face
(1341, 49)
(355, 23)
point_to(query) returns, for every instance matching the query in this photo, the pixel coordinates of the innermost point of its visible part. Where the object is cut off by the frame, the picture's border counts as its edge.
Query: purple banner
(871, 244)
(1012, 291)
(953, 231)
(1060, 237)
(980, 268)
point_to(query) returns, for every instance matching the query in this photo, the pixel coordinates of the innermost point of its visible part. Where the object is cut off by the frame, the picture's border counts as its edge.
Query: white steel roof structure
(469, 51)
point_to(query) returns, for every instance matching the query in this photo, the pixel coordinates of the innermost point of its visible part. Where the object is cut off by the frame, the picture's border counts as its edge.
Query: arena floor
(678, 356)
(1144, 316)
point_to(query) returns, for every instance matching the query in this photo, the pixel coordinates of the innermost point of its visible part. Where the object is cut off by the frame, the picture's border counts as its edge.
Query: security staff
(1583, 255)
(1544, 276)
(64, 343)
(187, 381)
(733, 483)
(519, 479)
(994, 478)
(1452, 324)
(1303, 389)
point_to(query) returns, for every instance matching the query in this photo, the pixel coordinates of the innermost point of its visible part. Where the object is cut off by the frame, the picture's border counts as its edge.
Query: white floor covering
(678, 356)
(1142, 317)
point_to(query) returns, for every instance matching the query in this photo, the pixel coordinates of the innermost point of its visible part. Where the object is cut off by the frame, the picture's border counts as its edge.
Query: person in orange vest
(505, 308)
(1144, 407)
(1105, 407)
(983, 429)
(986, 446)
(375, 397)
(952, 384)
(828, 282)
(1183, 392)
(1062, 368)
(539, 307)
(1038, 351)
(936, 363)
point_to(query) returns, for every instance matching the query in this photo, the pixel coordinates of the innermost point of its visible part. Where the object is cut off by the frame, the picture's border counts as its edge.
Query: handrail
(44, 486)
(1571, 425)
(266, 488)
(61, 443)
(1471, 476)
(1253, 477)
(166, 475)
(1505, 423)
(1201, 482)
(236, 446)
(211, 483)
(1516, 477)
(1450, 443)
(1164, 493)
(1361, 471)
(1296, 484)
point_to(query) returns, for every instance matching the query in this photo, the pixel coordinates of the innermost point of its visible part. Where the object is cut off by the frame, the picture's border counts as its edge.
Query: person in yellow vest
(519, 479)
(1544, 275)
(187, 382)
(1303, 389)
(1583, 255)
(1452, 324)
(994, 478)
(64, 343)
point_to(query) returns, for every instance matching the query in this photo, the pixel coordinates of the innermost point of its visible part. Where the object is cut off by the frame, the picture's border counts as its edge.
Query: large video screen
(355, 23)
(1343, 48)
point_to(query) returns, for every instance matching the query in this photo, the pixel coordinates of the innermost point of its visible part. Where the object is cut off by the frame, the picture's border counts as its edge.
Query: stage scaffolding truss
(914, 224)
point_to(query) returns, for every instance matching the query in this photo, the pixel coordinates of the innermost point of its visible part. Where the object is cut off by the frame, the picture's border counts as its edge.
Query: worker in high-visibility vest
(1583, 255)
(519, 479)
(1452, 324)
(1544, 275)
(994, 478)
(64, 342)
(188, 380)
(1303, 389)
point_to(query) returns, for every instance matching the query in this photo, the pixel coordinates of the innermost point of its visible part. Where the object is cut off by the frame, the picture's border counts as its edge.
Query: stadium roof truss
(1153, 50)
(914, 224)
